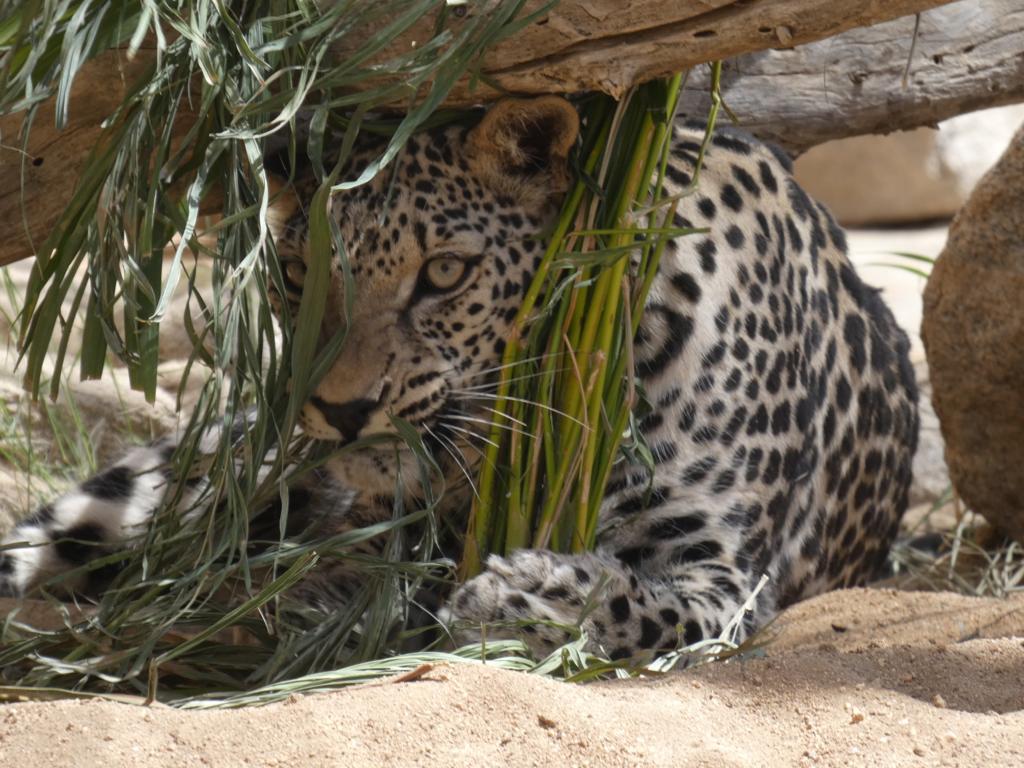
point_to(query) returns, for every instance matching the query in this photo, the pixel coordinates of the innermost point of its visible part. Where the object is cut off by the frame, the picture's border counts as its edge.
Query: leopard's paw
(537, 595)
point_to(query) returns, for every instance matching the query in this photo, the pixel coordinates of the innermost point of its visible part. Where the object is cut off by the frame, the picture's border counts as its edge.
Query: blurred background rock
(908, 177)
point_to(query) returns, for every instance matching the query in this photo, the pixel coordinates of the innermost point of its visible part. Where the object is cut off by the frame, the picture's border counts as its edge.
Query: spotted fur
(784, 408)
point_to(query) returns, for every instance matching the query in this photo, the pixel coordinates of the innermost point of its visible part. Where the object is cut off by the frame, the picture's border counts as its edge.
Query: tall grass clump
(568, 381)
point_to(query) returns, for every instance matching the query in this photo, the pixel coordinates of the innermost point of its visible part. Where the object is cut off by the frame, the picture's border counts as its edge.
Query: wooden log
(580, 45)
(38, 180)
(966, 56)
(611, 45)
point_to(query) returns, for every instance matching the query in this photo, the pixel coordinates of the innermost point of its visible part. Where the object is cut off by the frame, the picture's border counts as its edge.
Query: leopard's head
(442, 246)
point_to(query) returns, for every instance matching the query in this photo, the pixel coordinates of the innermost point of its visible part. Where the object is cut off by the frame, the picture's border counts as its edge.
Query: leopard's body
(784, 407)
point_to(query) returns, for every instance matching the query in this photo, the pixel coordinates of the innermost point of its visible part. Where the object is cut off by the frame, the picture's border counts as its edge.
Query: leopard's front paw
(537, 595)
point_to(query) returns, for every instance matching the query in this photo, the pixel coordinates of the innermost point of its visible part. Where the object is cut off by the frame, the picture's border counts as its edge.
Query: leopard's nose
(348, 418)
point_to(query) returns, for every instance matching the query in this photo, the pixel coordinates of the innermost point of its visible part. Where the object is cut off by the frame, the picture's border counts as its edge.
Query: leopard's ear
(522, 145)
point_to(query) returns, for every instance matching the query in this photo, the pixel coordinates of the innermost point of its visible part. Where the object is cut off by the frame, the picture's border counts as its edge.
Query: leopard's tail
(91, 520)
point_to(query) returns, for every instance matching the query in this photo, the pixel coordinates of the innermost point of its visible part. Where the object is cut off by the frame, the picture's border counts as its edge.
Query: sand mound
(863, 677)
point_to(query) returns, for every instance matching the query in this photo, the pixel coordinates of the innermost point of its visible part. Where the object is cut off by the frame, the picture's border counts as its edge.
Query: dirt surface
(855, 678)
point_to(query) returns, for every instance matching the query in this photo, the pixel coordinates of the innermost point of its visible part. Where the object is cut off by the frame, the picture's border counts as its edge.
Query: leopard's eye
(444, 273)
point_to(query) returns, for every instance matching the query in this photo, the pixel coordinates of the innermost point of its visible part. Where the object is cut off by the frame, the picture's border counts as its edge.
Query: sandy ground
(855, 678)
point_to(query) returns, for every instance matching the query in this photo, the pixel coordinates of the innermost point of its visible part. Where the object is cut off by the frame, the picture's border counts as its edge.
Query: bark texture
(603, 45)
(966, 56)
(611, 45)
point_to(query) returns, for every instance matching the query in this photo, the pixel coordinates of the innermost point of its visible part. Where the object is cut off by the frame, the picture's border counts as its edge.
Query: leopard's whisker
(493, 385)
(489, 424)
(545, 406)
(504, 366)
(453, 451)
(470, 373)
(496, 412)
(469, 433)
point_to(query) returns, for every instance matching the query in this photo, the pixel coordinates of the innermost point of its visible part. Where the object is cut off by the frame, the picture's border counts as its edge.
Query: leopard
(783, 406)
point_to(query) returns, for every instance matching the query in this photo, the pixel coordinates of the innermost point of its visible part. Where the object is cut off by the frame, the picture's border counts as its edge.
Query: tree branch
(968, 55)
(605, 45)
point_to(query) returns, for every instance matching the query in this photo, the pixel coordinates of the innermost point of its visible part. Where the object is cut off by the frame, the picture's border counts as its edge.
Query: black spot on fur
(113, 484)
(707, 251)
(698, 470)
(707, 207)
(692, 633)
(687, 286)
(733, 143)
(650, 632)
(676, 527)
(734, 236)
(724, 481)
(730, 198)
(853, 335)
(517, 601)
(639, 503)
(619, 606)
(634, 556)
(693, 553)
(767, 177)
(678, 332)
(78, 544)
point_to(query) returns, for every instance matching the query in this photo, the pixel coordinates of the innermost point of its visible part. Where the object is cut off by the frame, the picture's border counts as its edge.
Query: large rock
(881, 180)
(973, 331)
